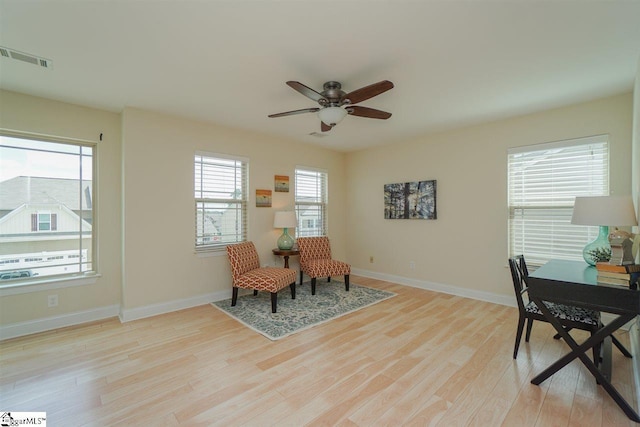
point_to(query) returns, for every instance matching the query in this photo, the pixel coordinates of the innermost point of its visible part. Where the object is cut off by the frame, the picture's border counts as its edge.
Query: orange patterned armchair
(247, 274)
(315, 261)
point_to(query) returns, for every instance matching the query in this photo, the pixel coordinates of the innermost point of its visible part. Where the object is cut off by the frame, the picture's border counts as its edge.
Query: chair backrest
(243, 257)
(313, 248)
(519, 274)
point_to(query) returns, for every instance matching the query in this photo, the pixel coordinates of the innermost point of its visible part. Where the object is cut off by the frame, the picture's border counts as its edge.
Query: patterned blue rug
(330, 301)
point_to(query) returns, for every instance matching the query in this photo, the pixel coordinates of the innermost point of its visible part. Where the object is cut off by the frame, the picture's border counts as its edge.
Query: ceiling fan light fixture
(332, 115)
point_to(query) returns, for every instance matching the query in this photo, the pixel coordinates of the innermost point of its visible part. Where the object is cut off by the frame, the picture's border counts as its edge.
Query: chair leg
(274, 301)
(622, 348)
(234, 297)
(596, 351)
(329, 279)
(518, 336)
(313, 286)
(293, 290)
(346, 282)
(301, 277)
(529, 327)
(255, 292)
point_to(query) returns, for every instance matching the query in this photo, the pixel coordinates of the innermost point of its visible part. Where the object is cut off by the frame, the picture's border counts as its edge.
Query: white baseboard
(127, 315)
(54, 322)
(439, 287)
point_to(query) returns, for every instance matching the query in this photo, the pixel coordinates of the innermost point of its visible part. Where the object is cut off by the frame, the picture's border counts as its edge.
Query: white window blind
(544, 181)
(221, 184)
(311, 202)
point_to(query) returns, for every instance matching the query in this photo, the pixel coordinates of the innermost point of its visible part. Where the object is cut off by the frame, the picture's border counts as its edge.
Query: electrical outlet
(52, 300)
(371, 259)
(412, 265)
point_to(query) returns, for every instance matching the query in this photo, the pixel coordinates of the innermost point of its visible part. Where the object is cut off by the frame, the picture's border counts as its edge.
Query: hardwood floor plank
(585, 412)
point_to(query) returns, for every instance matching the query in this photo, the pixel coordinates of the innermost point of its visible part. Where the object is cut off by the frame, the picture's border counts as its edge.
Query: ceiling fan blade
(291, 113)
(371, 113)
(366, 92)
(306, 91)
(324, 127)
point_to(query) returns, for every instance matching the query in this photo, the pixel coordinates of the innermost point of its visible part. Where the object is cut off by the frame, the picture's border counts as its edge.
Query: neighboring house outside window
(311, 202)
(221, 200)
(544, 181)
(46, 212)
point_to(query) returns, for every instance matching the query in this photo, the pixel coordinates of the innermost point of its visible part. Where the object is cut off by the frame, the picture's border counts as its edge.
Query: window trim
(324, 204)
(40, 283)
(220, 248)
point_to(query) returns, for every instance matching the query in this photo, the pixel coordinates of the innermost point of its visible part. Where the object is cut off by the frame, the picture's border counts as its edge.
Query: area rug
(330, 302)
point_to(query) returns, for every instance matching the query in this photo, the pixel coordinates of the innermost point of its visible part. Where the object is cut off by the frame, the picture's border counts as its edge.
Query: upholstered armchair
(247, 274)
(315, 261)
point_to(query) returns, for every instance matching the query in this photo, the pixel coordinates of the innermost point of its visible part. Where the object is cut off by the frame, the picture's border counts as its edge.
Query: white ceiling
(453, 63)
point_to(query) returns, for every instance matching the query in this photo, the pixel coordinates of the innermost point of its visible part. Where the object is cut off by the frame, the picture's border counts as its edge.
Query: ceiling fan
(335, 104)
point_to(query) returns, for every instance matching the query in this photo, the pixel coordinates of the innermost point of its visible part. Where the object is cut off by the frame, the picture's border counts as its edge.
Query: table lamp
(285, 220)
(601, 210)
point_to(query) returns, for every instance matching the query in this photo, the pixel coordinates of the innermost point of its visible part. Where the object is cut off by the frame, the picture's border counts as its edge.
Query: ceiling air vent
(25, 57)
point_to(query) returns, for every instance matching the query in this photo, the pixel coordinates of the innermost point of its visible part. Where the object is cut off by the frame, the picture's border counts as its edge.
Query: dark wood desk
(575, 283)
(286, 253)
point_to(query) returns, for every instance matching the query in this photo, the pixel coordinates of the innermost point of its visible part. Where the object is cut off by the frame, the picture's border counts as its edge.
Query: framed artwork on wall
(263, 198)
(281, 183)
(410, 200)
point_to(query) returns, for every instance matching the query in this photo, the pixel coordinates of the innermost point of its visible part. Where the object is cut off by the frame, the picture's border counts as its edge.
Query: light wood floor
(418, 359)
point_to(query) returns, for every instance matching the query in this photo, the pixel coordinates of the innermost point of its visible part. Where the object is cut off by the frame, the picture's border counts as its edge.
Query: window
(44, 222)
(311, 202)
(46, 215)
(221, 184)
(543, 182)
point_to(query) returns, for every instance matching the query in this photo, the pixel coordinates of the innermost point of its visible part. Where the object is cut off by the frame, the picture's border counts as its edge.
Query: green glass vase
(285, 242)
(599, 250)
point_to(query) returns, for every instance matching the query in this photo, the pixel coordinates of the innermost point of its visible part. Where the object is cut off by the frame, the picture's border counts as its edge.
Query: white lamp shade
(285, 219)
(604, 211)
(332, 115)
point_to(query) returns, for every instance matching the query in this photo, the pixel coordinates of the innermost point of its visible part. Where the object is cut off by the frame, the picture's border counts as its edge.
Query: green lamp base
(599, 250)
(285, 242)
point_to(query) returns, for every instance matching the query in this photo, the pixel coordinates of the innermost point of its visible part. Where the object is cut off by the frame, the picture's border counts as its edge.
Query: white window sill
(37, 285)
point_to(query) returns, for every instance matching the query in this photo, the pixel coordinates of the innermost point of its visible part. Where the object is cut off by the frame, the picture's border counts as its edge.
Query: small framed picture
(263, 198)
(281, 184)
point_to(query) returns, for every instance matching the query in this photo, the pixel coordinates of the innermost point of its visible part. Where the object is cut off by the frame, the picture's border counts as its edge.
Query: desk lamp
(600, 210)
(285, 220)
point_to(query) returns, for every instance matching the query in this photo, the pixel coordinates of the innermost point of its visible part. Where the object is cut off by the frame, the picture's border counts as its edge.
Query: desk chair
(570, 317)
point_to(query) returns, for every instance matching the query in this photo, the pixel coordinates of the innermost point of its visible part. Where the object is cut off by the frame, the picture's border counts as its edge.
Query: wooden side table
(286, 253)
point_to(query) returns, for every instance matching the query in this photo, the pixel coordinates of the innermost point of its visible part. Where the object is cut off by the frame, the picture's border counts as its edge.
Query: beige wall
(466, 246)
(158, 153)
(145, 205)
(37, 115)
(146, 217)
